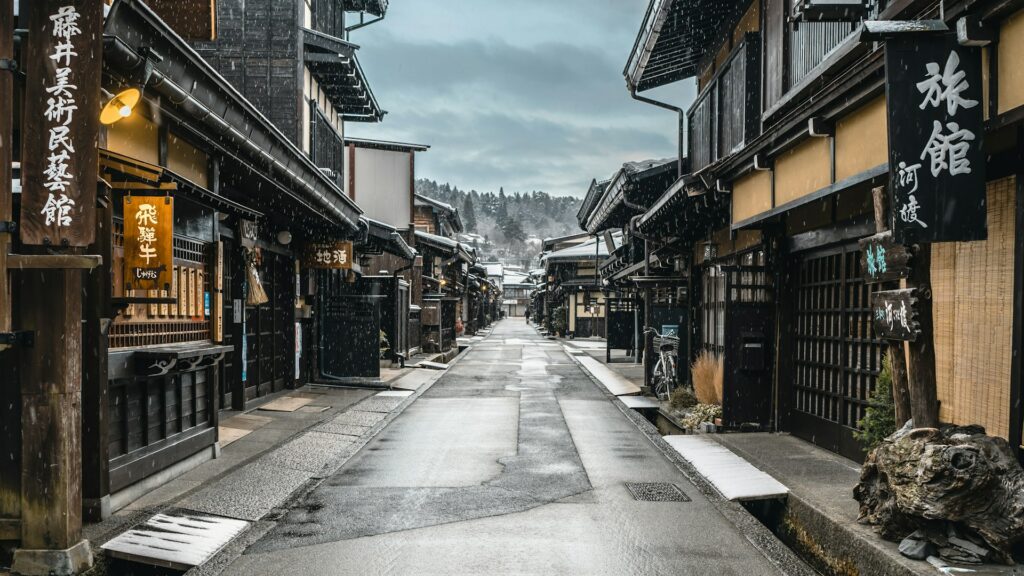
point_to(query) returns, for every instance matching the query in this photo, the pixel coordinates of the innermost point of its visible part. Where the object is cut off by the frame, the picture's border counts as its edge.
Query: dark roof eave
(236, 116)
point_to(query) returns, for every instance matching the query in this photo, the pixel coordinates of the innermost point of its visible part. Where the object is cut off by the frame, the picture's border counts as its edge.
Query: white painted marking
(179, 542)
(733, 476)
(394, 393)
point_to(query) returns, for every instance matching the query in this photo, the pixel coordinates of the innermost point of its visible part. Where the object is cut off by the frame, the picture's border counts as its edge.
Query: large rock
(926, 477)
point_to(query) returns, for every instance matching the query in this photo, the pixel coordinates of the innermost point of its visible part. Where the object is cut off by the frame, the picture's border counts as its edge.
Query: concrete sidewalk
(269, 455)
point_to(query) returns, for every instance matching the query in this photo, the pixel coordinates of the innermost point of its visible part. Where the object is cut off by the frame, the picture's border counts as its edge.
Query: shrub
(682, 398)
(879, 420)
(702, 413)
(708, 374)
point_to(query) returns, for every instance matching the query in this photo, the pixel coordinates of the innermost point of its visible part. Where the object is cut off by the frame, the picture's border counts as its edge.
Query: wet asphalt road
(514, 462)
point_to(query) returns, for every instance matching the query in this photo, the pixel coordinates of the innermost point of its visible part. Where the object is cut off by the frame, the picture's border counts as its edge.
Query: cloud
(514, 105)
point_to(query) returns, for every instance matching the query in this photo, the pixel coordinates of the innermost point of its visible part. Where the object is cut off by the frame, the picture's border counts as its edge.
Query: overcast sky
(528, 94)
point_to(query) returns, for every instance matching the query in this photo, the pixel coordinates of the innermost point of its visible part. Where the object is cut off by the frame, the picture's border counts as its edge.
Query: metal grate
(656, 492)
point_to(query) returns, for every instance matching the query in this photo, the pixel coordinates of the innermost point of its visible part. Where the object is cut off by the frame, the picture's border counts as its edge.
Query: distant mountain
(512, 222)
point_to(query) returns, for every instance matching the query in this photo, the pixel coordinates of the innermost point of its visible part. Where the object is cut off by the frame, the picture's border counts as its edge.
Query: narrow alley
(514, 462)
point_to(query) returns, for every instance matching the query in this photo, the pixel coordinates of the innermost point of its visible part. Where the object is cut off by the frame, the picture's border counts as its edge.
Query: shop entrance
(832, 358)
(269, 332)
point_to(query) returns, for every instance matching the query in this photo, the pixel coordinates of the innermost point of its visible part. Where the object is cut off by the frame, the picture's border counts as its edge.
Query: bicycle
(665, 372)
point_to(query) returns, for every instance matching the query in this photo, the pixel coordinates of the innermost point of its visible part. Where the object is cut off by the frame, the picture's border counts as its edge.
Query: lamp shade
(120, 106)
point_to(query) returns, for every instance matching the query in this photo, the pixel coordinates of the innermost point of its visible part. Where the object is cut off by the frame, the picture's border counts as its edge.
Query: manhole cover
(656, 492)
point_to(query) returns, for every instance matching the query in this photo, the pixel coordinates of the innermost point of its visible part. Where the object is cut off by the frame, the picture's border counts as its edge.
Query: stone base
(68, 562)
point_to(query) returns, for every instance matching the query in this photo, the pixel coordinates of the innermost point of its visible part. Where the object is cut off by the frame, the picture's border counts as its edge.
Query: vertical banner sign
(936, 160)
(62, 103)
(149, 243)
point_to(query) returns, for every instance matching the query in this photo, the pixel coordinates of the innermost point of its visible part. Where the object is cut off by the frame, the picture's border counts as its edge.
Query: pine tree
(469, 214)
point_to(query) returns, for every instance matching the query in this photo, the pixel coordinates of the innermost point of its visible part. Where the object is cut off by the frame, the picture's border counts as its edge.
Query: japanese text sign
(882, 259)
(936, 161)
(894, 315)
(328, 256)
(148, 242)
(59, 165)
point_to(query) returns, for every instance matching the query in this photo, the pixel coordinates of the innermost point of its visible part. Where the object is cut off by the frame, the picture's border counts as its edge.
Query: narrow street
(514, 462)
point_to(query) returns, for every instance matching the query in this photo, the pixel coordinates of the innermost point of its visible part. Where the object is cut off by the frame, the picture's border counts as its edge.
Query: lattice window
(186, 320)
(837, 355)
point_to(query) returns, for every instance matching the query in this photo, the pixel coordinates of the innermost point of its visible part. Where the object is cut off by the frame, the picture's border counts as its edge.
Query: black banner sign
(894, 314)
(883, 259)
(936, 161)
(62, 103)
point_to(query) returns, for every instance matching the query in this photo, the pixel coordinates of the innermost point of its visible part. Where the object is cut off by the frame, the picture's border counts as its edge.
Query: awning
(630, 192)
(124, 172)
(334, 64)
(672, 40)
(385, 238)
(684, 206)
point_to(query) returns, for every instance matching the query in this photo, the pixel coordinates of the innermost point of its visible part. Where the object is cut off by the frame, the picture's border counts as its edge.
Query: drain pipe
(666, 106)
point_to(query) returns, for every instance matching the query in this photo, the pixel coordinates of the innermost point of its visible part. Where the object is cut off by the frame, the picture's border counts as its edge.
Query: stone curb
(780, 555)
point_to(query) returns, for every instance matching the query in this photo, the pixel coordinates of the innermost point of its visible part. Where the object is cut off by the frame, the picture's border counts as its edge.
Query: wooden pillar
(924, 403)
(10, 404)
(6, 147)
(51, 408)
(895, 350)
(95, 383)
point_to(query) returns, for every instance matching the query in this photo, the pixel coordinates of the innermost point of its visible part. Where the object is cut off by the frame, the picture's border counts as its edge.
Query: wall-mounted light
(442, 282)
(284, 237)
(120, 106)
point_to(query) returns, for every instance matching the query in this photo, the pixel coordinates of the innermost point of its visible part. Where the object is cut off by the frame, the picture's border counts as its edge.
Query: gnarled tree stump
(925, 477)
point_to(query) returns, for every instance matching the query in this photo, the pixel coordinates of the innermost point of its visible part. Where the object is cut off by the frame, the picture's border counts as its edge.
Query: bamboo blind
(972, 284)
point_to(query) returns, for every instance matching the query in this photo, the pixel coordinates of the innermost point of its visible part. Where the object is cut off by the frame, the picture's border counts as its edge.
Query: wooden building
(786, 142)
(574, 298)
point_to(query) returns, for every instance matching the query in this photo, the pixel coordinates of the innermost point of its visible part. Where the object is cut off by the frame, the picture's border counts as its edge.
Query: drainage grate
(656, 492)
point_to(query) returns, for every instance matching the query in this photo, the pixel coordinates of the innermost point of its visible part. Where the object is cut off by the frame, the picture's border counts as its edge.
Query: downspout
(666, 106)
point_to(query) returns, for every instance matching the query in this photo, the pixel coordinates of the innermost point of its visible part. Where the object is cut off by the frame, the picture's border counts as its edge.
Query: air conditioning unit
(830, 10)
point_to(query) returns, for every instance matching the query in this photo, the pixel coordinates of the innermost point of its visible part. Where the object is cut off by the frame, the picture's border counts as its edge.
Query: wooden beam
(53, 261)
(10, 529)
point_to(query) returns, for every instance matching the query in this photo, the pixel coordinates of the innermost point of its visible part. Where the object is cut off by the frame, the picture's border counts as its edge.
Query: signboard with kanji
(894, 315)
(328, 255)
(148, 242)
(62, 91)
(882, 259)
(936, 160)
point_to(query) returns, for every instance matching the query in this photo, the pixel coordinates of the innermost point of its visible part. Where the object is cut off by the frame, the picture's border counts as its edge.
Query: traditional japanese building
(787, 148)
(573, 299)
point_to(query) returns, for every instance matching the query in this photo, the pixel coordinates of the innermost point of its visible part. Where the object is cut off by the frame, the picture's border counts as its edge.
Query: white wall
(382, 185)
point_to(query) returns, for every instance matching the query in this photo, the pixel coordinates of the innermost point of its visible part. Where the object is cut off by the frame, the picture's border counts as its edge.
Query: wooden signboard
(62, 104)
(894, 314)
(883, 259)
(936, 157)
(328, 256)
(148, 242)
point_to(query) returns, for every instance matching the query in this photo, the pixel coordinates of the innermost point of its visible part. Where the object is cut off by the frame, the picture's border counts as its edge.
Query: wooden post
(900, 387)
(50, 286)
(924, 402)
(6, 148)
